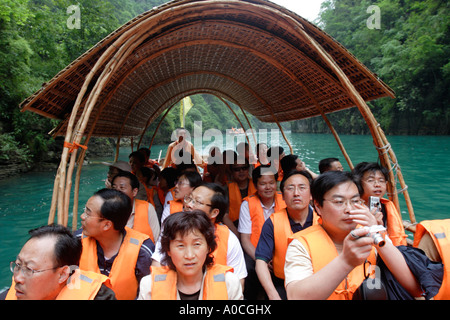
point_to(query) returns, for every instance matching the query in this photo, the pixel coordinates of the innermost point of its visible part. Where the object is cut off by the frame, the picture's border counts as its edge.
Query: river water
(25, 199)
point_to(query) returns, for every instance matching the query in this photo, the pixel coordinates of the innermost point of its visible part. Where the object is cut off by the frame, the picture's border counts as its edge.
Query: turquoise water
(25, 199)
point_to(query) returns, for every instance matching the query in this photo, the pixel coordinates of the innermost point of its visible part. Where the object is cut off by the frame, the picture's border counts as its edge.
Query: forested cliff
(409, 50)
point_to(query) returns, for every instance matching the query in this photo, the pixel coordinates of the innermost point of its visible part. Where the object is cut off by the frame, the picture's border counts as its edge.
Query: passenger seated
(211, 198)
(110, 247)
(432, 236)
(239, 187)
(255, 210)
(181, 144)
(261, 153)
(148, 178)
(189, 271)
(329, 260)
(374, 179)
(275, 154)
(143, 216)
(187, 182)
(293, 162)
(45, 269)
(272, 245)
(330, 164)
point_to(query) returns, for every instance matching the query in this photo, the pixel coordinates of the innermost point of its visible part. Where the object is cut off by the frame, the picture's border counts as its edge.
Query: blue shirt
(266, 243)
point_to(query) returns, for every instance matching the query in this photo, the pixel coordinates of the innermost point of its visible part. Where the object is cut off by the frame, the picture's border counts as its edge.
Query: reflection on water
(25, 200)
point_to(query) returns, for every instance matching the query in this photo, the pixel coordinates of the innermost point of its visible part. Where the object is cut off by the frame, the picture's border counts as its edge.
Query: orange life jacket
(257, 214)
(394, 224)
(282, 231)
(176, 206)
(122, 275)
(83, 285)
(141, 218)
(222, 234)
(164, 283)
(235, 198)
(150, 193)
(439, 230)
(322, 251)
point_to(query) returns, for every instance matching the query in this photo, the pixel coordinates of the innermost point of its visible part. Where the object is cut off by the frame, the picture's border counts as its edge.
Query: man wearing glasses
(374, 178)
(240, 187)
(43, 270)
(271, 249)
(327, 261)
(211, 199)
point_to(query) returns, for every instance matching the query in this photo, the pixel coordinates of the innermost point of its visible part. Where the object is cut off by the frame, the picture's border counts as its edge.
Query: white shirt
(245, 220)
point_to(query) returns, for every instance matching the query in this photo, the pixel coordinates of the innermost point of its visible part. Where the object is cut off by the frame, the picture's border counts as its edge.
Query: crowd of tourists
(234, 225)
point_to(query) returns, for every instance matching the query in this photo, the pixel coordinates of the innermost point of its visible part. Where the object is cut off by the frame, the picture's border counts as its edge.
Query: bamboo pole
(336, 137)
(401, 180)
(356, 98)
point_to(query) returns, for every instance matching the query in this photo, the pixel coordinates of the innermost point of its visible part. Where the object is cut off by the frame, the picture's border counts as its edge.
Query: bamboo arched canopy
(266, 59)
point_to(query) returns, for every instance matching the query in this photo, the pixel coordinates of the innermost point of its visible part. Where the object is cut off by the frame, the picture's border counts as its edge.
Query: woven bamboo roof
(249, 52)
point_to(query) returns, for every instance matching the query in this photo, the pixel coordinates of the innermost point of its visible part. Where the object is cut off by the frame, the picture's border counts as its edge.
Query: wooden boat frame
(294, 71)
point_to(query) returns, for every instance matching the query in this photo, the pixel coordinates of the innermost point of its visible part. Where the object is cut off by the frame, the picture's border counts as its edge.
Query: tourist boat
(262, 57)
(235, 131)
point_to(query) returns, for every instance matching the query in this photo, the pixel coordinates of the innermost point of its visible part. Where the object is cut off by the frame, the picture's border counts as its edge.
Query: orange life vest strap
(164, 283)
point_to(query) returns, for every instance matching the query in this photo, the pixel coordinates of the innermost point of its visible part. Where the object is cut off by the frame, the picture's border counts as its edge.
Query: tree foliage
(35, 44)
(410, 52)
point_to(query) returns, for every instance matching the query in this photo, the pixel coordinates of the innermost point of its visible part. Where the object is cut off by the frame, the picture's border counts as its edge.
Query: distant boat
(235, 131)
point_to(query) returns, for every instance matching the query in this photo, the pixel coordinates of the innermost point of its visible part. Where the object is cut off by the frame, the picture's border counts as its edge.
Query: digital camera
(377, 233)
(374, 202)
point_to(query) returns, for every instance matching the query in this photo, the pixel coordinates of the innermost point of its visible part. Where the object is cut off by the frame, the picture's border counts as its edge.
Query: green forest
(409, 51)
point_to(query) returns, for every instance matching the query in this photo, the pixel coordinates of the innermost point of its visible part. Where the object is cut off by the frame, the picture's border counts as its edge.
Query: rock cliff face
(49, 161)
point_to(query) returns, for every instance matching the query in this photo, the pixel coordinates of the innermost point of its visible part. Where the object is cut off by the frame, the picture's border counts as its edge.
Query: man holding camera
(373, 179)
(328, 260)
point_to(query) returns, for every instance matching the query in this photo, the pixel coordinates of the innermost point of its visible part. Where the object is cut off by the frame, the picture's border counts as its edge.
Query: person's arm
(396, 263)
(247, 245)
(262, 270)
(227, 221)
(320, 285)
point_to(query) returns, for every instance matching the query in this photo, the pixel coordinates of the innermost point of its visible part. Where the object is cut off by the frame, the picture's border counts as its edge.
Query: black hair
(219, 200)
(275, 152)
(116, 207)
(68, 247)
(288, 163)
(182, 223)
(325, 164)
(291, 173)
(328, 180)
(170, 175)
(146, 151)
(134, 181)
(261, 170)
(194, 178)
(138, 155)
(361, 168)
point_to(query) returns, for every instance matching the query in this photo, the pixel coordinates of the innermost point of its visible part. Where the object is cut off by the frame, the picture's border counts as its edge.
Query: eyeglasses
(237, 169)
(341, 204)
(374, 181)
(181, 182)
(27, 272)
(292, 188)
(189, 199)
(88, 215)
